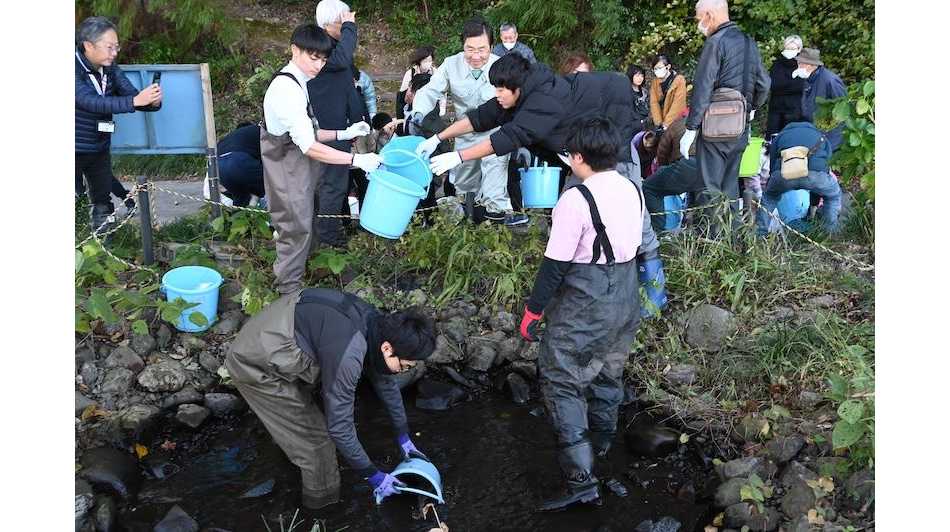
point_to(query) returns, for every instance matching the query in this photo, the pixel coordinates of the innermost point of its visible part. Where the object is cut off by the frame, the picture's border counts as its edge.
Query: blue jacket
(800, 134)
(823, 83)
(332, 93)
(91, 108)
(369, 93)
(519, 48)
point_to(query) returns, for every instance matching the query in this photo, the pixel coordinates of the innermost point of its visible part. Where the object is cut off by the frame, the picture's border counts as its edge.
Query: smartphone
(157, 78)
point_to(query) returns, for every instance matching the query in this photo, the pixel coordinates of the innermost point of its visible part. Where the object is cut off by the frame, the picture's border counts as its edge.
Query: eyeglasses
(471, 50)
(111, 48)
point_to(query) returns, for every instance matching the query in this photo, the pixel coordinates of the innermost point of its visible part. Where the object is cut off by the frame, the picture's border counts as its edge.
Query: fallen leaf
(718, 520)
(814, 518)
(168, 445)
(684, 437)
(141, 451)
(827, 484)
(93, 411)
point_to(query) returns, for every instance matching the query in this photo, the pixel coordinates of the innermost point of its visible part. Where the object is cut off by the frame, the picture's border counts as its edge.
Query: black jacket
(721, 66)
(547, 107)
(641, 108)
(332, 92)
(92, 108)
(787, 91)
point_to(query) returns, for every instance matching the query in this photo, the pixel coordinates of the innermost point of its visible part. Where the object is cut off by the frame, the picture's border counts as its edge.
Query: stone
(708, 327)
(409, 377)
(138, 420)
(743, 467)
(728, 493)
(753, 427)
(204, 381)
(455, 330)
(228, 323)
(192, 415)
(85, 498)
(860, 487)
(782, 313)
(85, 354)
(223, 404)
(83, 402)
(481, 356)
(105, 515)
(89, 373)
(117, 380)
(798, 500)
(163, 337)
(417, 298)
(526, 369)
(826, 301)
(445, 351)
(165, 376)
(143, 344)
(784, 449)
(260, 490)
(436, 395)
(644, 438)
(176, 520)
(796, 473)
(808, 399)
(744, 514)
(502, 322)
(800, 524)
(509, 350)
(835, 467)
(112, 469)
(531, 351)
(125, 357)
(517, 388)
(188, 394)
(209, 361)
(458, 378)
(666, 524)
(682, 374)
(192, 344)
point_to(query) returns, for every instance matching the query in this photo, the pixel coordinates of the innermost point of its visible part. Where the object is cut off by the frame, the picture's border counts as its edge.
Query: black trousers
(514, 186)
(719, 167)
(333, 188)
(97, 170)
(777, 120)
(676, 178)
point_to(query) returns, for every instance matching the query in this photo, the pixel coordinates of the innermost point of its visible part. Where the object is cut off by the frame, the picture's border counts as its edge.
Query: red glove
(529, 325)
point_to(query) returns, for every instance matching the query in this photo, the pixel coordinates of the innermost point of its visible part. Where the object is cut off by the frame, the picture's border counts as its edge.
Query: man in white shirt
(291, 144)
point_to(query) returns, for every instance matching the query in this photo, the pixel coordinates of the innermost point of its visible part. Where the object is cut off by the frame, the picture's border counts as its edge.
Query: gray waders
(277, 378)
(591, 325)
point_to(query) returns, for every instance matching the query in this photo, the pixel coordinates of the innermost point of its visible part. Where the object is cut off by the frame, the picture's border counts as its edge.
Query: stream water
(497, 460)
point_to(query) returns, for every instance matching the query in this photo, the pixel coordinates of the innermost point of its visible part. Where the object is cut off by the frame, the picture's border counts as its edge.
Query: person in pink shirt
(587, 292)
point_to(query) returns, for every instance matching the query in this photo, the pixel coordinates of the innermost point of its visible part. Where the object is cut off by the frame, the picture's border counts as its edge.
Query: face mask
(789, 53)
(800, 73)
(659, 72)
(508, 45)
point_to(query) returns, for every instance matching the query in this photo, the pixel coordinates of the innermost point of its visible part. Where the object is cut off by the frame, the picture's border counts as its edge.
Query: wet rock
(228, 323)
(826, 301)
(188, 394)
(165, 376)
(112, 469)
(117, 381)
(176, 520)
(753, 427)
(860, 487)
(517, 388)
(509, 350)
(209, 361)
(455, 330)
(417, 298)
(743, 467)
(796, 473)
(682, 374)
(82, 402)
(481, 356)
(531, 351)
(445, 351)
(105, 514)
(143, 344)
(458, 378)
(124, 357)
(648, 439)
(798, 500)
(163, 337)
(264, 488)
(708, 327)
(138, 420)
(435, 395)
(85, 354)
(800, 524)
(192, 415)
(204, 381)
(84, 501)
(409, 377)
(784, 449)
(223, 404)
(191, 344)
(782, 313)
(666, 524)
(744, 514)
(728, 493)
(808, 399)
(89, 373)
(502, 322)
(528, 370)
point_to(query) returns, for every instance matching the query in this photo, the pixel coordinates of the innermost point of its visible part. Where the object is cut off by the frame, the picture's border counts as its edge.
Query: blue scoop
(417, 467)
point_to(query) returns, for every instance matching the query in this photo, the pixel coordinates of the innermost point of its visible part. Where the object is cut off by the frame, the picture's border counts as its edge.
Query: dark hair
(510, 72)
(312, 39)
(633, 70)
(410, 332)
(474, 27)
(380, 120)
(92, 28)
(356, 72)
(421, 53)
(597, 140)
(418, 81)
(572, 60)
(660, 58)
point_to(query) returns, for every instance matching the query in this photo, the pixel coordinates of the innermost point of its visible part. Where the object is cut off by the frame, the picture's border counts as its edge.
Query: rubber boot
(653, 281)
(101, 218)
(577, 465)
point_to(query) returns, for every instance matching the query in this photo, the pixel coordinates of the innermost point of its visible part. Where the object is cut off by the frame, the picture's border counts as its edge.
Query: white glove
(367, 162)
(428, 146)
(686, 141)
(751, 115)
(445, 162)
(358, 129)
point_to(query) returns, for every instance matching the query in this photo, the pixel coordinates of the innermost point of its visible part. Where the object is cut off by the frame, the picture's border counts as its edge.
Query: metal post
(145, 215)
(213, 182)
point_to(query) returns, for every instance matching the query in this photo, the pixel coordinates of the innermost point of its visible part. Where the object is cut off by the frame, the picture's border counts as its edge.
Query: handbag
(795, 160)
(725, 117)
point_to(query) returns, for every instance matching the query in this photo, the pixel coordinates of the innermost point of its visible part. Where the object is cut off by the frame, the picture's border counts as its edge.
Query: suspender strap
(601, 242)
(291, 76)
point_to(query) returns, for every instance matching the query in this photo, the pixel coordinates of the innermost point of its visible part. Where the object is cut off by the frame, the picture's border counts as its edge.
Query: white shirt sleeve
(285, 110)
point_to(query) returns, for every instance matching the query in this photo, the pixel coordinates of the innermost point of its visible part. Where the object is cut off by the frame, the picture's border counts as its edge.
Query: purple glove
(384, 485)
(409, 450)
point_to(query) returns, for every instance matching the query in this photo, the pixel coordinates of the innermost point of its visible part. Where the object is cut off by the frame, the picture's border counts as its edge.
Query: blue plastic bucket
(540, 186)
(407, 164)
(411, 469)
(195, 284)
(389, 203)
(793, 205)
(673, 219)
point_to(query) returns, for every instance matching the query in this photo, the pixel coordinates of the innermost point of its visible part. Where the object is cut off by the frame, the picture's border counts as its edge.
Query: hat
(810, 56)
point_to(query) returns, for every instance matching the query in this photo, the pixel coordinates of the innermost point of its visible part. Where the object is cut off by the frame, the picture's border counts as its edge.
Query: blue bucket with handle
(793, 205)
(673, 219)
(399, 157)
(194, 284)
(420, 477)
(540, 186)
(389, 203)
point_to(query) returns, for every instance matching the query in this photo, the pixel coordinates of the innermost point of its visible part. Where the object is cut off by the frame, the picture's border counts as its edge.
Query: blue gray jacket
(519, 48)
(369, 93)
(823, 83)
(92, 108)
(800, 134)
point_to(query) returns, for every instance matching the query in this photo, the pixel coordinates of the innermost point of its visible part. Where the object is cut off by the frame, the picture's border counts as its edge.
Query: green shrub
(854, 159)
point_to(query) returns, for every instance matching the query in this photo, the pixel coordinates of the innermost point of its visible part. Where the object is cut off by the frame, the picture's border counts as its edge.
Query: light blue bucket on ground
(399, 157)
(389, 203)
(419, 468)
(793, 205)
(194, 284)
(540, 186)
(673, 219)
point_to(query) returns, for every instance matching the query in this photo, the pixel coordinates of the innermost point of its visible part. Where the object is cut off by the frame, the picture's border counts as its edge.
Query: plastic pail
(749, 166)
(421, 477)
(195, 284)
(389, 203)
(673, 220)
(793, 205)
(399, 157)
(540, 186)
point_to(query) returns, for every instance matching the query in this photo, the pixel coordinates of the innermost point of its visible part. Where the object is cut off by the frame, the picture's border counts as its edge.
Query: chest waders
(591, 324)
(290, 182)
